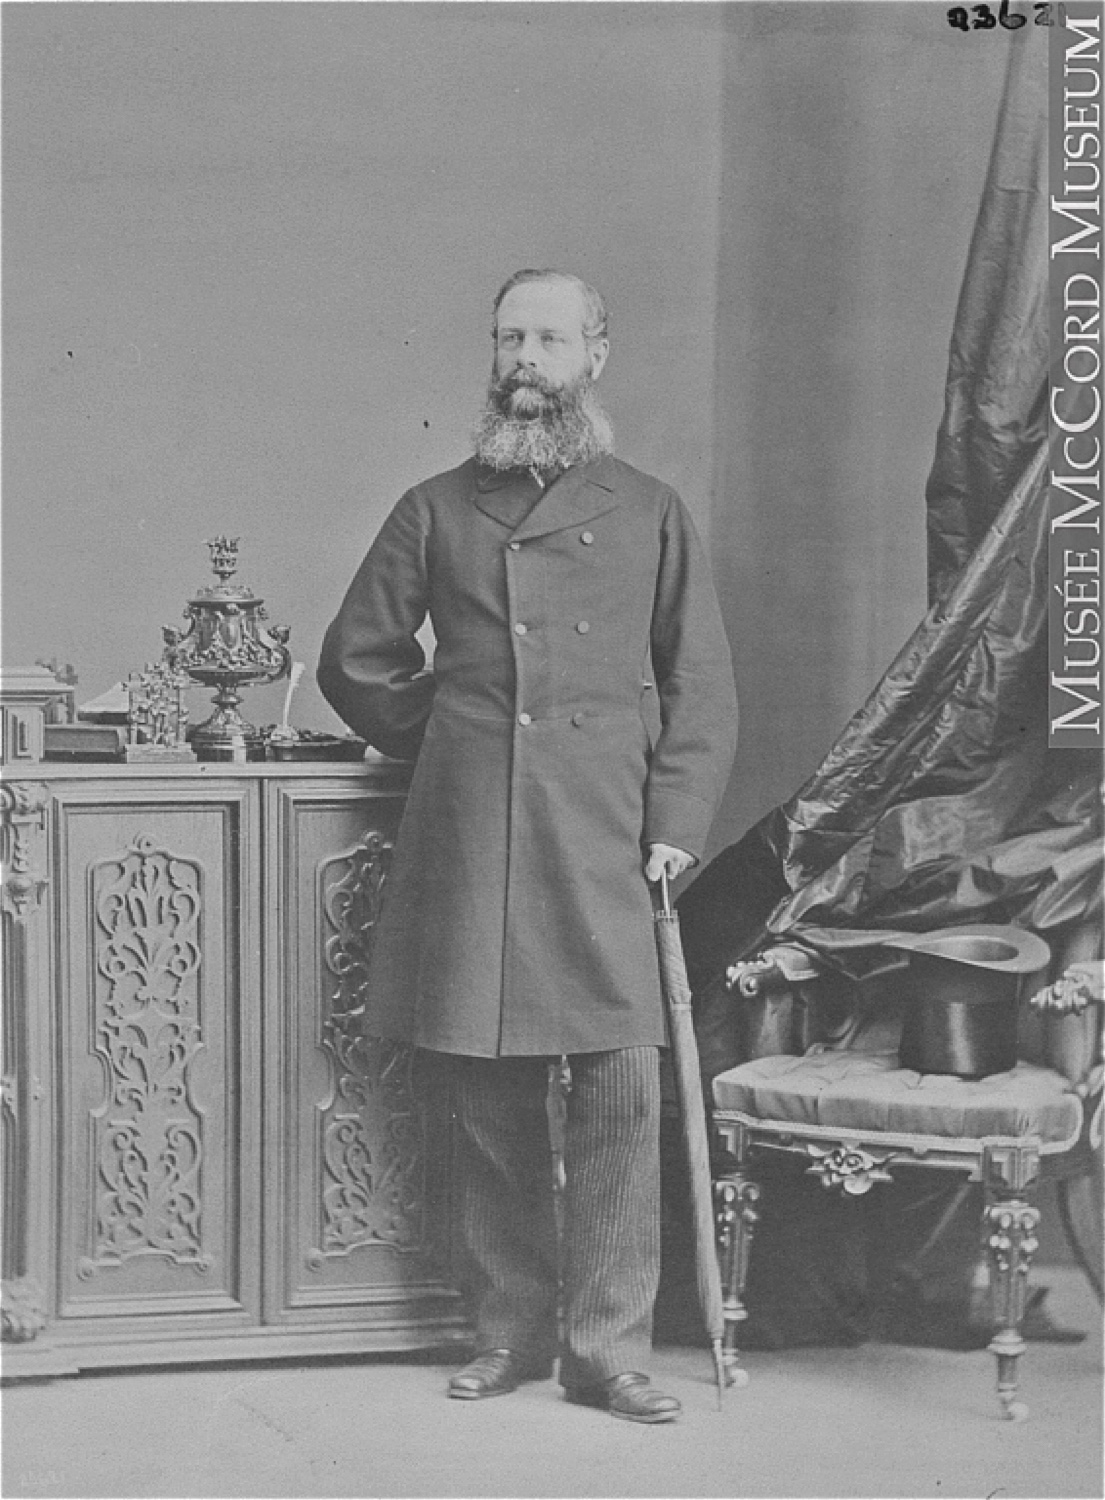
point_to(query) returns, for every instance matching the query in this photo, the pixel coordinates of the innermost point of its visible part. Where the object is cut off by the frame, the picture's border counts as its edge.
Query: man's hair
(594, 309)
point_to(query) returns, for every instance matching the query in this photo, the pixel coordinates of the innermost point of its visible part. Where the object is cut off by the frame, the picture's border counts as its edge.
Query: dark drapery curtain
(940, 803)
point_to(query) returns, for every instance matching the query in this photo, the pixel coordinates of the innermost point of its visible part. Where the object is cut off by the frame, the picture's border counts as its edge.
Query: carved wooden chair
(855, 1115)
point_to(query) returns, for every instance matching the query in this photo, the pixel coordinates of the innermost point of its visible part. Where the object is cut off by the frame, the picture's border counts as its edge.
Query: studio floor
(879, 1420)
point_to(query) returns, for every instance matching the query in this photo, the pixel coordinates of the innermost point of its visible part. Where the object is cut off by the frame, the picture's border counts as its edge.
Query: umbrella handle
(665, 893)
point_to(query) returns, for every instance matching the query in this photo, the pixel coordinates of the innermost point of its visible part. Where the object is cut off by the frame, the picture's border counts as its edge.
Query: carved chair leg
(1010, 1230)
(735, 1198)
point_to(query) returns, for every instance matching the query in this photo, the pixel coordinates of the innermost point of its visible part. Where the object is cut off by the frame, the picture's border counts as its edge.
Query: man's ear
(597, 351)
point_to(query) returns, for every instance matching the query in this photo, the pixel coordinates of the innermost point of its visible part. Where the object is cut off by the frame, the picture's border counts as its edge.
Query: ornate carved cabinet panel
(356, 1190)
(204, 1155)
(157, 1001)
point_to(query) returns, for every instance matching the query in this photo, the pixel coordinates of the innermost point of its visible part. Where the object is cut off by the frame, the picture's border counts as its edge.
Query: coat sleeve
(372, 670)
(694, 753)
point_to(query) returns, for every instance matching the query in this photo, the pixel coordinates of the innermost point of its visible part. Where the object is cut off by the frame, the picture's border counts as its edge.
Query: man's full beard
(563, 425)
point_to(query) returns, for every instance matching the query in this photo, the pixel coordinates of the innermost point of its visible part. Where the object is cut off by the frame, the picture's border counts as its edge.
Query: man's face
(539, 346)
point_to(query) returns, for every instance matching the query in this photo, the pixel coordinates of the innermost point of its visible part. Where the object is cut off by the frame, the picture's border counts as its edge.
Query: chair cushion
(870, 1091)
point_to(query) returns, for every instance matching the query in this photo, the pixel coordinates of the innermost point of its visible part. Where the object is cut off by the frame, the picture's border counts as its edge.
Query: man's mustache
(519, 378)
(545, 398)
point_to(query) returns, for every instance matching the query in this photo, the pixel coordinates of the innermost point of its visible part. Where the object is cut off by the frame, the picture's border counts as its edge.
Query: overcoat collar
(581, 493)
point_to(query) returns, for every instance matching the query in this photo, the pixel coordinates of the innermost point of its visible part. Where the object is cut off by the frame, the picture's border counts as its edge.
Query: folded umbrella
(688, 1079)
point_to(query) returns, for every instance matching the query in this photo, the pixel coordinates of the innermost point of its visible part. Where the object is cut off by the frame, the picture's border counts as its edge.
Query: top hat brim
(985, 945)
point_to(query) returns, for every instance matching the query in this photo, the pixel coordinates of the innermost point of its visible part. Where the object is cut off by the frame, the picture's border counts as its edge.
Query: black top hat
(961, 1015)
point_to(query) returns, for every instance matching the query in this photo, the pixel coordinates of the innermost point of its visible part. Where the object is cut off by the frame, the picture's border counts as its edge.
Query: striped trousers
(609, 1261)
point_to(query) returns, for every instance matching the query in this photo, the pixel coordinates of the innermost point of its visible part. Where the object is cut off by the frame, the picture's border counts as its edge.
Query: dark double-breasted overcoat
(580, 705)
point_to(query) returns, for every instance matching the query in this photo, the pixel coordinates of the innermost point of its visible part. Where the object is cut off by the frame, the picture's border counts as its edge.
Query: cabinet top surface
(375, 770)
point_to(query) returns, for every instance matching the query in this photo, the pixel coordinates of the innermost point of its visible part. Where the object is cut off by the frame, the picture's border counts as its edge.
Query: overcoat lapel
(506, 495)
(581, 493)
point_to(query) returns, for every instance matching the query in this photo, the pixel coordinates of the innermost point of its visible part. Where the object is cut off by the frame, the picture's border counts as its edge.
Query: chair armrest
(1080, 985)
(790, 1002)
(777, 967)
(1070, 1009)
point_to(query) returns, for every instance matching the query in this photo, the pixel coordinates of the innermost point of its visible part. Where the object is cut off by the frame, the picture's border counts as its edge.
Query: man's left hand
(666, 858)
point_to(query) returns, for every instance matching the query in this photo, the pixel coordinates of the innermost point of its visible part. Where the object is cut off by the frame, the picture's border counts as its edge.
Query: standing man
(572, 739)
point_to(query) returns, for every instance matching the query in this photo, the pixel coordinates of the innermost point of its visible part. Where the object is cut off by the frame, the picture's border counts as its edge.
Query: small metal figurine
(226, 646)
(157, 716)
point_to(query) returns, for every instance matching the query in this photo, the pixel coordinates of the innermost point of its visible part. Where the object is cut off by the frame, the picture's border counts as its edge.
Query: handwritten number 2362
(985, 20)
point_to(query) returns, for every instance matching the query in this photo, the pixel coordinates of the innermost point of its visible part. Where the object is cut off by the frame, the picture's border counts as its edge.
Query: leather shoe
(628, 1396)
(497, 1372)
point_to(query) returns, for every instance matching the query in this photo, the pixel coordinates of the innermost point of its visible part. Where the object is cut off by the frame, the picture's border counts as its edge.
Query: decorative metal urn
(226, 646)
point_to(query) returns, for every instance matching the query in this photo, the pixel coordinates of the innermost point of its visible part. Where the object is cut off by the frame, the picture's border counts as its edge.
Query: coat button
(524, 719)
(519, 628)
(514, 546)
(577, 720)
(587, 537)
(583, 627)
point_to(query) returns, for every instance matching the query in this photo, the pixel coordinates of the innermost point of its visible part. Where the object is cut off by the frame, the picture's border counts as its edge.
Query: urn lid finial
(224, 555)
(224, 564)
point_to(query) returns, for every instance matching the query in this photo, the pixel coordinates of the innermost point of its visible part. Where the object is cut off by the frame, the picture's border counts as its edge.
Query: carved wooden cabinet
(204, 1155)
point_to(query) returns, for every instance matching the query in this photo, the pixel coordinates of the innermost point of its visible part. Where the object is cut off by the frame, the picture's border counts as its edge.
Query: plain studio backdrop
(249, 256)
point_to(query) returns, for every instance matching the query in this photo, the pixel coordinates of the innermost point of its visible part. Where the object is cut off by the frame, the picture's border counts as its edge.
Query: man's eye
(551, 338)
